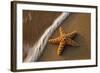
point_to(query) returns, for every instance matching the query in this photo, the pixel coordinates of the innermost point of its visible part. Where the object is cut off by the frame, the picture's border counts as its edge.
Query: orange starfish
(63, 40)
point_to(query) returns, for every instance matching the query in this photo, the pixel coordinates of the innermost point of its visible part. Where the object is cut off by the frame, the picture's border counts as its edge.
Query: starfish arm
(55, 41)
(71, 35)
(61, 30)
(61, 47)
(71, 42)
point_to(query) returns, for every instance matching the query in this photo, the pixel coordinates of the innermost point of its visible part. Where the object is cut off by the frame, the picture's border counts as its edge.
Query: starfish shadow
(71, 53)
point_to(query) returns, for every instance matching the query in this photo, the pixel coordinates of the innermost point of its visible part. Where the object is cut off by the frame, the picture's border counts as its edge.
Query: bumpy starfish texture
(63, 40)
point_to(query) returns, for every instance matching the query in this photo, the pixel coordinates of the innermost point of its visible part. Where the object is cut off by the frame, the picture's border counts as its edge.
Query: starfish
(63, 40)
